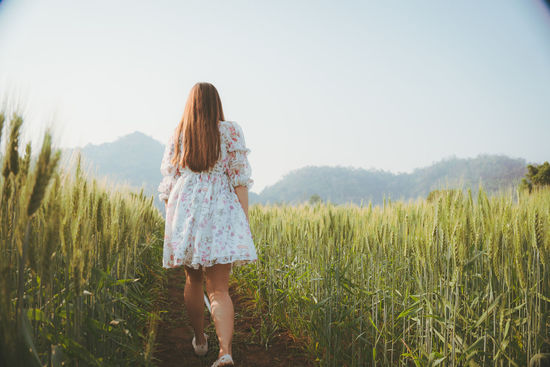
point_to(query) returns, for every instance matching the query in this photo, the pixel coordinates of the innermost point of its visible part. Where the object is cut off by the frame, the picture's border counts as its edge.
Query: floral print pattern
(205, 222)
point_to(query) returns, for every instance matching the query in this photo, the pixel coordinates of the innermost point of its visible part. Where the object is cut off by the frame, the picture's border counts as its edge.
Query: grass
(452, 281)
(80, 264)
(456, 281)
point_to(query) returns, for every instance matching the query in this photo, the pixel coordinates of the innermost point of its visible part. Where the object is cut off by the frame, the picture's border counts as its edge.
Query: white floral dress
(205, 222)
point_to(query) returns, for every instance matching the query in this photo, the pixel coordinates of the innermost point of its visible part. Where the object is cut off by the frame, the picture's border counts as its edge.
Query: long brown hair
(199, 127)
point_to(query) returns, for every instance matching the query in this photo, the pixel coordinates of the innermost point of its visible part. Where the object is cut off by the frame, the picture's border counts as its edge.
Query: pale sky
(391, 85)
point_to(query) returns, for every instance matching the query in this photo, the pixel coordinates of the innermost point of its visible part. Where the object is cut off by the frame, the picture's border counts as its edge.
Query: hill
(135, 159)
(343, 184)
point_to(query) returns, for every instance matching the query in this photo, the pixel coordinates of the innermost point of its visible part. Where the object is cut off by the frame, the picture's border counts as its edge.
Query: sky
(392, 85)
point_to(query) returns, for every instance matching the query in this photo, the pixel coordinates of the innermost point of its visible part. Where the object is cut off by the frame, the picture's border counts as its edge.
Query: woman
(205, 190)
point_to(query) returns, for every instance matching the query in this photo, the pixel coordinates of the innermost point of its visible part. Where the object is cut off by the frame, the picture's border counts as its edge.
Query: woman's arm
(242, 194)
(238, 169)
(168, 171)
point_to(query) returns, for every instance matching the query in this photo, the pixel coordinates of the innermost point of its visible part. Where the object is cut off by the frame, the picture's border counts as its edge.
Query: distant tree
(536, 176)
(314, 199)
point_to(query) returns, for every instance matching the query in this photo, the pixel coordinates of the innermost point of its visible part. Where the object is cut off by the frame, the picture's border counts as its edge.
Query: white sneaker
(224, 360)
(200, 350)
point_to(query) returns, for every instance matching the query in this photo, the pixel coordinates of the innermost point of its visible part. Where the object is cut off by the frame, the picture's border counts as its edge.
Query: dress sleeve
(169, 172)
(239, 170)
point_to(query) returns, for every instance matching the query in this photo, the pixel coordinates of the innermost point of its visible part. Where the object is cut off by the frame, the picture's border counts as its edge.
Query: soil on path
(174, 334)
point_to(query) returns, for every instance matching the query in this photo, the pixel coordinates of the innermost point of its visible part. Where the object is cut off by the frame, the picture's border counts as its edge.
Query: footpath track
(174, 335)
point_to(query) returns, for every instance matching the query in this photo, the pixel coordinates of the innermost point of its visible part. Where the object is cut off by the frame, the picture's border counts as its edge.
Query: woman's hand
(242, 194)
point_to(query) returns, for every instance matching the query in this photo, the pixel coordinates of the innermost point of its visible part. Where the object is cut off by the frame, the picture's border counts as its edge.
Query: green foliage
(80, 265)
(315, 199)
(458, 281)
(536, 176)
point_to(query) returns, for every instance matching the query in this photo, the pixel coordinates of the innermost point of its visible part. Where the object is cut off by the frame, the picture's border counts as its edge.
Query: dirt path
(175, 334)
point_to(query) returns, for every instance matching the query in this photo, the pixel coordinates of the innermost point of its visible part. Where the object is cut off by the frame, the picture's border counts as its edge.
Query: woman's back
(205, 223)
(233, 152)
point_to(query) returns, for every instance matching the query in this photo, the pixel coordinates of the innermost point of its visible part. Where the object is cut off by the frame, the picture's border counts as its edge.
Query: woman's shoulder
(231, 129)
(232, 134)
(230, 126)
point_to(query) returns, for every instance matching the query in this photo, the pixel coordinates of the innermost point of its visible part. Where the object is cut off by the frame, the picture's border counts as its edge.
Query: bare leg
(194, 302)
(217, 286)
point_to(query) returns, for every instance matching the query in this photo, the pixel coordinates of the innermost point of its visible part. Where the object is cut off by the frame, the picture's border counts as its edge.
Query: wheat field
(79, 264)
(457, 281)
(452, 281)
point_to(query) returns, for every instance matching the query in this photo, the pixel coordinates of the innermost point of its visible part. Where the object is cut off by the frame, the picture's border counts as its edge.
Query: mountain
(344, 184)
(135, 160)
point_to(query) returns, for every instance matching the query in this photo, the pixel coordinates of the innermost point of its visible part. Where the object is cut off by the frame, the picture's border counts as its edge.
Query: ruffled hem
(209, 263)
